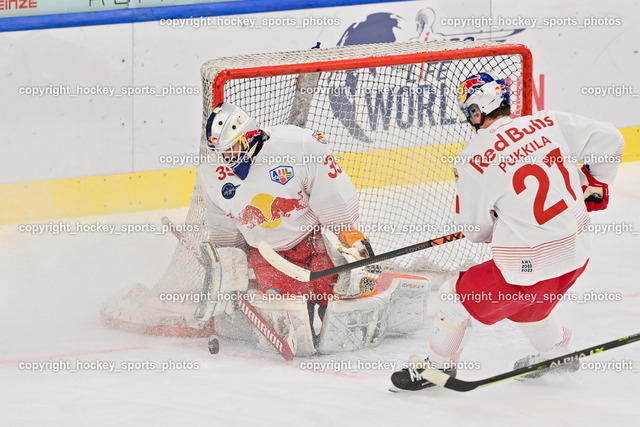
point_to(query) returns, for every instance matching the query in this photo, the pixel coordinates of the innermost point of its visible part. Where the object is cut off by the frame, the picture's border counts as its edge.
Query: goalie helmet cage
(389, 113)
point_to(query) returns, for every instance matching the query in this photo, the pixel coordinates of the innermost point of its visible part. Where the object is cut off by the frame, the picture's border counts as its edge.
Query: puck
(214, 345)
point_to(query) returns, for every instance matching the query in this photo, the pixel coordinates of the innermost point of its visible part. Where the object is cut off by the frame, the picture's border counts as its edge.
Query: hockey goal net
(389, 114)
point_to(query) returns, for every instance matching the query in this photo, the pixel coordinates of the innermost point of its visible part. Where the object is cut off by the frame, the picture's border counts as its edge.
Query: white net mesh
(389, 113)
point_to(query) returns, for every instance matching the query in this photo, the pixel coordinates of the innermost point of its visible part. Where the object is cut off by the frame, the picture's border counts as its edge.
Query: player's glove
(354, 243)
(596, 194)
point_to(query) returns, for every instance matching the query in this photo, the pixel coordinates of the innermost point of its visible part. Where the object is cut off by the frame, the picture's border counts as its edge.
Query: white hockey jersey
(293, 186)
(525, 170)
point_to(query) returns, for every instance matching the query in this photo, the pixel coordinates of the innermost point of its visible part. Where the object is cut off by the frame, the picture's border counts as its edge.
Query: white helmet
(226, 125)
(484, 91)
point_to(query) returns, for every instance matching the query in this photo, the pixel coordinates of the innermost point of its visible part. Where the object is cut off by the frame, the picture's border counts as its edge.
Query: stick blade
(282, 264)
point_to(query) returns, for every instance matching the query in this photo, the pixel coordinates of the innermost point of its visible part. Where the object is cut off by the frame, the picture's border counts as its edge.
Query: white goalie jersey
(293, 186)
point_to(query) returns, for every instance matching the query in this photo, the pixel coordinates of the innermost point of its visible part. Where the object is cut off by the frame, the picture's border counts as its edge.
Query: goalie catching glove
(596, 193)
(354, 245)
(350, 246)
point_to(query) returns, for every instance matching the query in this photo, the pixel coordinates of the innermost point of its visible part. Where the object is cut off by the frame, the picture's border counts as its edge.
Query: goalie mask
(482, 93)
(234, 137)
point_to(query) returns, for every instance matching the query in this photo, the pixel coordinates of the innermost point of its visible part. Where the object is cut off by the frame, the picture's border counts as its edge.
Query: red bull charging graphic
(267, 211)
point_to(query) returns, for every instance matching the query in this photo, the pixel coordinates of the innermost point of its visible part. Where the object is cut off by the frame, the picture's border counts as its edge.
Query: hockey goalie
(281, 185)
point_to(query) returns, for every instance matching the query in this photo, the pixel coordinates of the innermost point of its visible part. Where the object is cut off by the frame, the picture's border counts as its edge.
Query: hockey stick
(305, 88)
(438, 377)
(245, 308)
(305, 275)
(306, 85)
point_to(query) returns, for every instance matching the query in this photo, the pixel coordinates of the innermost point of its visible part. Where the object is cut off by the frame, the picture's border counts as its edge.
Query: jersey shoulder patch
(281, 174)
(319, 136)
(229, 190)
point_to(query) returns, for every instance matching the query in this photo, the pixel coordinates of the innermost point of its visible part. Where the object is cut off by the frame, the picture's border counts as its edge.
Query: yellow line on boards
(172, 188)
(96, 195)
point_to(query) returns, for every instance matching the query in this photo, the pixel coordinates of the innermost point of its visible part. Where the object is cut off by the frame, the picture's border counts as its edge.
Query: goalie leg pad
(355, 323)
(289, 317)
(397, 303)
(408, 311)
(226, 271)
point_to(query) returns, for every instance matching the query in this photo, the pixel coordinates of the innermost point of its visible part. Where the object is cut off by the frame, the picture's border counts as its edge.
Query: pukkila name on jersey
(505, 138)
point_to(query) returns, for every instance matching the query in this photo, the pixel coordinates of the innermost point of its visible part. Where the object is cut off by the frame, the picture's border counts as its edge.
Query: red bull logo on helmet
(469, 86)
(213, 142)
(267, 211)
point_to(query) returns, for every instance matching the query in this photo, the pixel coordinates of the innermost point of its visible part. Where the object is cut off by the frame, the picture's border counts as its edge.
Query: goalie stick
(305, 275)
(306, 85)
(442, 379)
(244, 307)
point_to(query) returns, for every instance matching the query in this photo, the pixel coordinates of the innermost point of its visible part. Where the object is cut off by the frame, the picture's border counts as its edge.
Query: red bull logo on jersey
(281, 174)
(267, 211)
(319, 136)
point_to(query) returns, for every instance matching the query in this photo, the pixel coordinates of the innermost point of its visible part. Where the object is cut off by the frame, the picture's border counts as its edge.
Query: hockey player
(519, 184)
(279, 184)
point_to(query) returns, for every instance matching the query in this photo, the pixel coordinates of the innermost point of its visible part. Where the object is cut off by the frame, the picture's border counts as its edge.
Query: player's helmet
(227, 125)
(484, 91)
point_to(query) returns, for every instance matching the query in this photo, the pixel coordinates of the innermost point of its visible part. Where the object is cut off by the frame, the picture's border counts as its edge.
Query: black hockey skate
(409, 379)
(532, 359)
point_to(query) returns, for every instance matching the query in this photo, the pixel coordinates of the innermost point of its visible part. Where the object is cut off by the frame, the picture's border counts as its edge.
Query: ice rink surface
(52, 287)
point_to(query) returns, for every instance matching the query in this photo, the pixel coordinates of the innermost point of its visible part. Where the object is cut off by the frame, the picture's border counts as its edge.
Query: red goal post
(476, 51)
